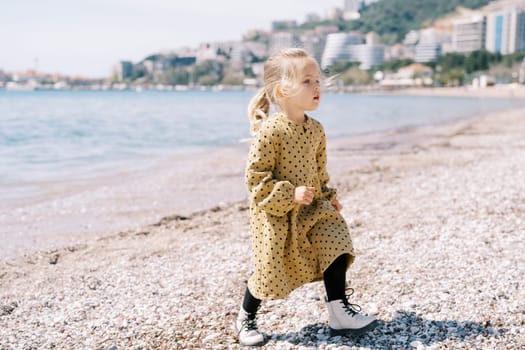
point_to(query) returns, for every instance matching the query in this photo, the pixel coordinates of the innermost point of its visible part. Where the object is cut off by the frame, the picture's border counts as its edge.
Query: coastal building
(414, 71)
(151, 66)
(352, 47)
(398, 52)
(247, 52)
(352, 9)
(430, 42)
(337, 48)
(505, 31)
(415, 74)
(411, 38)
(123, 70)
(206, 52)
(371, 54)
(427, 52)
(4, 76)
(324, 30)
(313, 44)
(368, 56)
(159, 63)
(314, 41)
(468, 34)
(334, 13)
(521, 74)
(280, 40)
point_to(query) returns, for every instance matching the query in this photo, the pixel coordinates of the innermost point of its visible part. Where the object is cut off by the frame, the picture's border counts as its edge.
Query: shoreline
(87, 209)
(512, 91)
(80, 211)
(436, 222)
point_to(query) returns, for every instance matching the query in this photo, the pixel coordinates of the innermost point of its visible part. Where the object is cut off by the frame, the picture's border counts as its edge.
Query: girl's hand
(337, 206)
(304, 195)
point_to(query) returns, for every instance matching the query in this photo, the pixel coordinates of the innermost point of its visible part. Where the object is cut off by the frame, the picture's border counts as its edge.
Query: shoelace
(249, 324)
(349, 307)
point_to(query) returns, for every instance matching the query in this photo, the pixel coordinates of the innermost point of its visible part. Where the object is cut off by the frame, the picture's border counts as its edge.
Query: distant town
(480, 47)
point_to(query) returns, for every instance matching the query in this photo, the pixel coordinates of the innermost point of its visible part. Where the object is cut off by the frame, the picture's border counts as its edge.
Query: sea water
(57, 135)
(75, 165)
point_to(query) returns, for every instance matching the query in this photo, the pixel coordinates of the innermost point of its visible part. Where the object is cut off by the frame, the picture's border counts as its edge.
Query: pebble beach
(437, 215)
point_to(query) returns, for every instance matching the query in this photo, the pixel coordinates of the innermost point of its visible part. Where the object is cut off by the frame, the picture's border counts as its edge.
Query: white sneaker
(246, 328)
(345, 320)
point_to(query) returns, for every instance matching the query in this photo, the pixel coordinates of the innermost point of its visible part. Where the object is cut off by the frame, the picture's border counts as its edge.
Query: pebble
(314, 296)
(428, 271)
(372, 309)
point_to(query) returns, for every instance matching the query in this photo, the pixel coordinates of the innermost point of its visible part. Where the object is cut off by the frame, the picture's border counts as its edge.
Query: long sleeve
(328, 193)
(268, 193)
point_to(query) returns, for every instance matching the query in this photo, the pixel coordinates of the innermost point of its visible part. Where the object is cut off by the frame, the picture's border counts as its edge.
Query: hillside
(392, 19)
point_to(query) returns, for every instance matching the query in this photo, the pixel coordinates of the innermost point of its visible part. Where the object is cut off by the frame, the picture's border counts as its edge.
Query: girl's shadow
(404, 329)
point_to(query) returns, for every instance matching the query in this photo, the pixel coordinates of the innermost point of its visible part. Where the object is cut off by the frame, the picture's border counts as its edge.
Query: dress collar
(307, 121)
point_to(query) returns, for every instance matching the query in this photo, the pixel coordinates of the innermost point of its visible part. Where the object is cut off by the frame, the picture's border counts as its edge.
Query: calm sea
(48, 136)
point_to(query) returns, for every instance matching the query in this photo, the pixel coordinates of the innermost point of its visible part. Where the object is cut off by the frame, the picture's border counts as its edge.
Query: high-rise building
(506, 30)
(468, 34)
(427, 52)
(429, 45)
(351, 47)
(337, 48)
(123, 70)
(368, 56)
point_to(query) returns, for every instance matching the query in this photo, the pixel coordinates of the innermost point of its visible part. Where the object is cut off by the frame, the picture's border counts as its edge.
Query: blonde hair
(280, 70)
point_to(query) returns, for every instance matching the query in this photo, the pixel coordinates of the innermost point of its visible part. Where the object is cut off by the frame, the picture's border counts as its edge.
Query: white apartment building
(468, 34)
(351, 47)
(399, 51)
(505, 30)
(427, 52)
(337, 48)
(314, 41)
(429, 45)
(368, 55)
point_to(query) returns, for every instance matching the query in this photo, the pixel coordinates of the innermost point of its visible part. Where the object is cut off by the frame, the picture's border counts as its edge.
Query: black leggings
(334, 282)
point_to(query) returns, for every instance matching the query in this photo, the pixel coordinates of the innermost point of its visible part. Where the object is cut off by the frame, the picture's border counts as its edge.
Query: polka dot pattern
(292, 244)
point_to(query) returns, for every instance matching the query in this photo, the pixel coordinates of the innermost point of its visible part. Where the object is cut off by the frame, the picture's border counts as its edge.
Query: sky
(88, 37)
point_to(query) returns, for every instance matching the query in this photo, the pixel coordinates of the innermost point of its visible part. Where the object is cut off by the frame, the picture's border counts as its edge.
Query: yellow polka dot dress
(292, 243)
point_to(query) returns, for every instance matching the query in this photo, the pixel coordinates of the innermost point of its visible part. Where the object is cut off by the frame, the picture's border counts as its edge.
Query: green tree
(392, 19)
(139, 71)
(339, 67)
(477, 60)
(451, 77)
(355, 76)
(208, 80)
(511, 59)
(176, 76)
(394, 65)
(207, 72)
(451, 60)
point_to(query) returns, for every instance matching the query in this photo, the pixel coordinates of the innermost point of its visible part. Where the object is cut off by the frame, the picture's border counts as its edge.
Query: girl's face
(306, 94)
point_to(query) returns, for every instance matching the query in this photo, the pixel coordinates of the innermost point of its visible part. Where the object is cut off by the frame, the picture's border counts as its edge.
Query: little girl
(298, 235)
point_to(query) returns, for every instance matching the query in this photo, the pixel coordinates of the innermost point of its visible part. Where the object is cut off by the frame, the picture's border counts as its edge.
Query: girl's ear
(279, 91)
